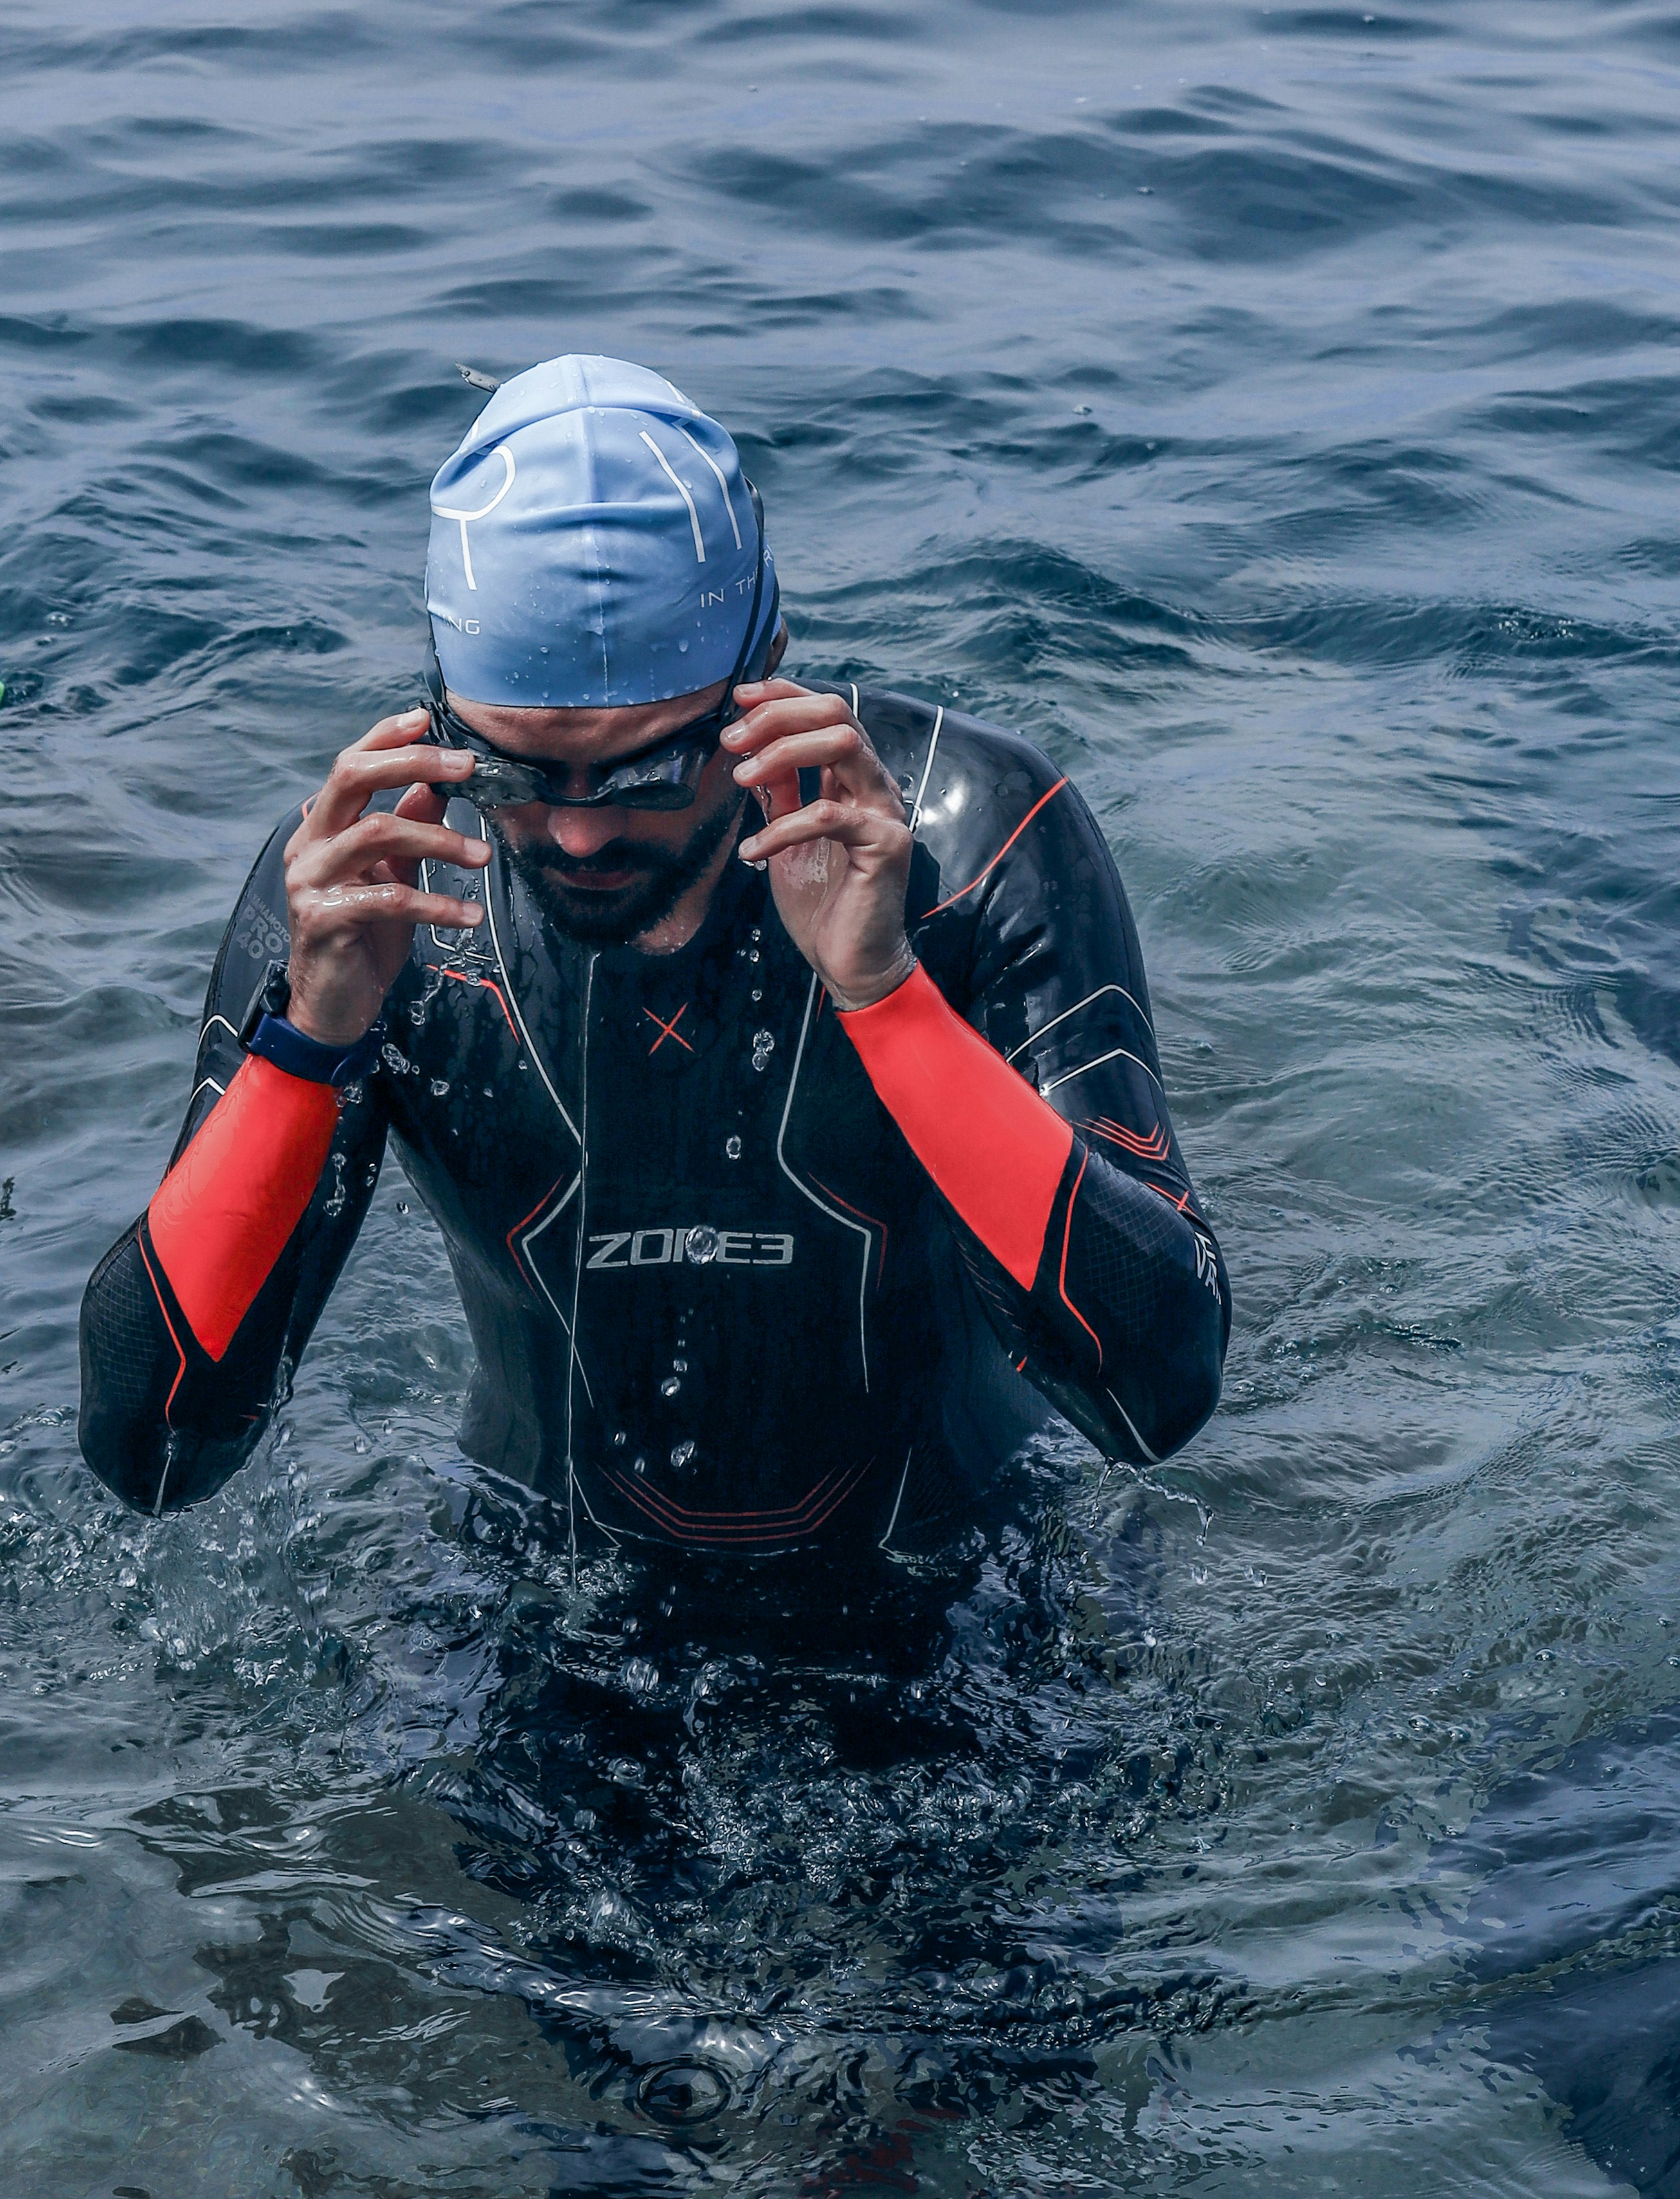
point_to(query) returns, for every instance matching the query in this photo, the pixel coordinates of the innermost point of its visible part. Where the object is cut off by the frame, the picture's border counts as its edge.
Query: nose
(584, 832)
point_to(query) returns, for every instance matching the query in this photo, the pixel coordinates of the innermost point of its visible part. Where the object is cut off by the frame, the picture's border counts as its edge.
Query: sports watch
(267, 1034)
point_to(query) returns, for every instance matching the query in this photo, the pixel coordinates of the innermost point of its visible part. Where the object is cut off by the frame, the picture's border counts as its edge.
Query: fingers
(841, 749)
(750, 692)
(323, 912)
(390, 755)
(421, 802)
(865, 831)
(383, 837)
(797, 732)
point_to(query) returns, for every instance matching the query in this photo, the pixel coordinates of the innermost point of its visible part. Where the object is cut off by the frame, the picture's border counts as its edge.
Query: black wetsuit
(717, 1301)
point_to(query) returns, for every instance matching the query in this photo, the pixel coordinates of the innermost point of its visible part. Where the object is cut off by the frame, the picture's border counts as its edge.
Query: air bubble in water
(681, 1453)
(702, 1245)
(669, 1386)
(679, 1367)
(764, 1046)
(731, 1147)
(439, 1087)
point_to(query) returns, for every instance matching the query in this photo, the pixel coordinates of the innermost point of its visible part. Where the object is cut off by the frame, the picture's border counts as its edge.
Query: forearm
(224, 1215)
(186, 1321)
(1113, 1290)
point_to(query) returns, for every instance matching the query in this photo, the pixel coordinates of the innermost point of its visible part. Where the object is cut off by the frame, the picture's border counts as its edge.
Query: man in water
(775, 1059)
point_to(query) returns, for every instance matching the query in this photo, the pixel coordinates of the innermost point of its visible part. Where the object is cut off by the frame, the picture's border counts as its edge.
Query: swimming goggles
(665, 775)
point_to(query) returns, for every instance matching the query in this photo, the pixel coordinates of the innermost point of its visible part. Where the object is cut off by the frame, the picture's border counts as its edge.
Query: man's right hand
(352, 898)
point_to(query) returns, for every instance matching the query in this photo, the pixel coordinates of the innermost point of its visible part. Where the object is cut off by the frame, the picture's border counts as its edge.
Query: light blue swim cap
(593, 542)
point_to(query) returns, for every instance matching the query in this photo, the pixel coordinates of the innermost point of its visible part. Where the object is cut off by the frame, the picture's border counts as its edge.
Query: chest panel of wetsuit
(723, 1254)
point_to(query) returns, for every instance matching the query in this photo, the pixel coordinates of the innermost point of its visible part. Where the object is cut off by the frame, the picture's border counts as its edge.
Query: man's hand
(352, 899)
(839, 866)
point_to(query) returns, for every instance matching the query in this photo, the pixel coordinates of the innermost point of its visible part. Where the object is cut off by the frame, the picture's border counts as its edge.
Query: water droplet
(488, 1093)
(681, 1453)
(679, 1366)
(764, 1045)
(393, 1060)
(752, 954)
(702, 1246)
(439, 1087)
(755, 935)
(641, 1466)
(417, 1013)
(731, 1147)
(620, 1440)
(669, 1386)
(402, 1206)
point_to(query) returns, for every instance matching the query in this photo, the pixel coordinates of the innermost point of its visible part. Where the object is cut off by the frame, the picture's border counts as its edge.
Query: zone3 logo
(700, 1246)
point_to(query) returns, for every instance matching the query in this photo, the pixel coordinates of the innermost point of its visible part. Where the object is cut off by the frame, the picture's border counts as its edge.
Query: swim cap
(593, 544)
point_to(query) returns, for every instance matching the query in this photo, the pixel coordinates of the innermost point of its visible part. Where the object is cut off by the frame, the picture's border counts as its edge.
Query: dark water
(1277, 411)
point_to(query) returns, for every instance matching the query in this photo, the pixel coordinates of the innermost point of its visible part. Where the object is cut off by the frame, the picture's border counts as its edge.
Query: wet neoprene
(744, 1275)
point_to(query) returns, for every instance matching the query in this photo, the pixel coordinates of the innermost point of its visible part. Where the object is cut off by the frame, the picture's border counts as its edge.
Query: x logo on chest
(667, 1030)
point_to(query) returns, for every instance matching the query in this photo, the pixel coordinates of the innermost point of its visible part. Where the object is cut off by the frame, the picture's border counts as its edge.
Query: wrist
(278, 1028)
(323, 1030)
(869, 993)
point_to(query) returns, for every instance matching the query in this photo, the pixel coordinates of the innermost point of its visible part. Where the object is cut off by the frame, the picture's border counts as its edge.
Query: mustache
(616, 855)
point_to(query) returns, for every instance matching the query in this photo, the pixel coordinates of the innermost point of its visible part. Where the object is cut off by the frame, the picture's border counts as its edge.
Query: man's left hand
(839, 865)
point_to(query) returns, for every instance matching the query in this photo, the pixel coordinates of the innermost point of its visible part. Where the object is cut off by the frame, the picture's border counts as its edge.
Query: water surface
(1275, 411)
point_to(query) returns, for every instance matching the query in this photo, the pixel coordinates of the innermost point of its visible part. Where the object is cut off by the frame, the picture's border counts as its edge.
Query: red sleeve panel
(222, 1216)
(991, 1146)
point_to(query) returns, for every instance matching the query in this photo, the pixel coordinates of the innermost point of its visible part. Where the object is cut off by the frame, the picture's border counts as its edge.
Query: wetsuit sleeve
(194, 1321)
(1038, 1112)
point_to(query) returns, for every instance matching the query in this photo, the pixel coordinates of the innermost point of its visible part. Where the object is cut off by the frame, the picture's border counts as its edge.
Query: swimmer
(775, 1058)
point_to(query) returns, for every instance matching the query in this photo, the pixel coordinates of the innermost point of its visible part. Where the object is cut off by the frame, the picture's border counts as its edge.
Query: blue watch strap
(293, 1051)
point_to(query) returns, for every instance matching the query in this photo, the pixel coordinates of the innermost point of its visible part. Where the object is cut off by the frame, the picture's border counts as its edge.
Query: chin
(603, 919)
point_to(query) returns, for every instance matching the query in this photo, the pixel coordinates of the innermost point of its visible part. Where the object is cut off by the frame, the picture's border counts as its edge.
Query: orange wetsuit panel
(991, 1146)
(220, 1218)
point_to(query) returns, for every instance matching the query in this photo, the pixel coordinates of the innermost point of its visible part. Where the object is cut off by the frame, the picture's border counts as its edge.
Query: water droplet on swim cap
(593, 521)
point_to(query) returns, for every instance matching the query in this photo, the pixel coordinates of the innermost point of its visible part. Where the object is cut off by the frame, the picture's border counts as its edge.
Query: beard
(663, 875)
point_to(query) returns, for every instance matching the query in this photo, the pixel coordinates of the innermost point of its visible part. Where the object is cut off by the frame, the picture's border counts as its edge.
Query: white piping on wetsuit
(572, 1368)
(1115, 1053)
(846, 1220)
(927, 768)
(898, 1501)
(1074, 1010)
(1130, 1424)
(513, 998)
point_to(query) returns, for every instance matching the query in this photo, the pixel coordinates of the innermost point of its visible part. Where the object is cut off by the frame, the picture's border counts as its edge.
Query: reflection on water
(1271, 410)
